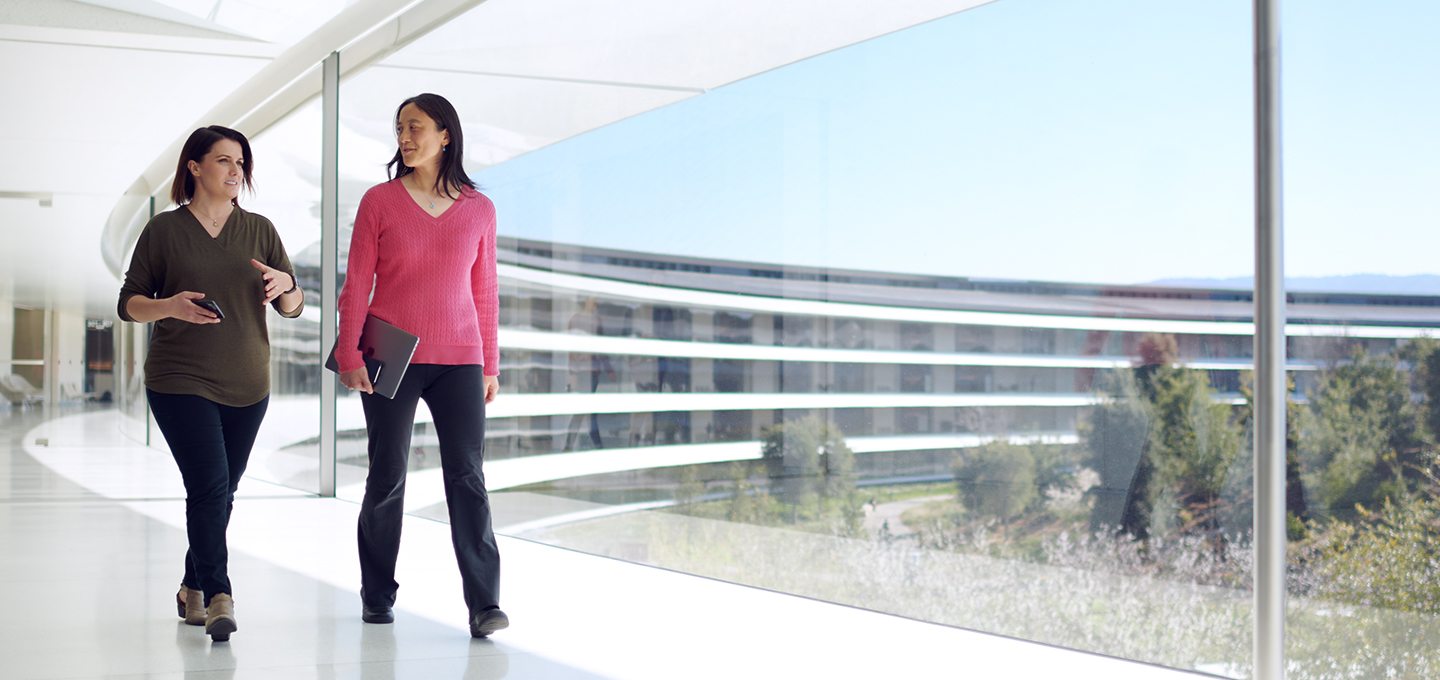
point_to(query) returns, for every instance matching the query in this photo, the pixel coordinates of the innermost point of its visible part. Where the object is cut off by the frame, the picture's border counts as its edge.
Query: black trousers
(456, 397)
(211, 443)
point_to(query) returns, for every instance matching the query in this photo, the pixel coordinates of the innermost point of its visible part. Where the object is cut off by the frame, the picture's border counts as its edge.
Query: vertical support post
(1270, 387)
(150, 424)
(329, 246)
(144, 342)
(50, 353)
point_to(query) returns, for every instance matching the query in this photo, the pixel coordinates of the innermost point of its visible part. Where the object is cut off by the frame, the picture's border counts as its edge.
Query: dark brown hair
(196, 147)
(452, 168)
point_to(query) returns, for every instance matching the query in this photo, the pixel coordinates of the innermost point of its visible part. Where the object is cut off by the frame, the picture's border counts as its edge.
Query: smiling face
(419, 138)
(221, 171)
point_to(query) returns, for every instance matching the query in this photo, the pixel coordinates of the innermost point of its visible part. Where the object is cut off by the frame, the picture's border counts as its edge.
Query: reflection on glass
(133, 341)
(1362, 492)
(1363, 503)
(287, 175)
(812, 331)
(992, 474)
(808, 332)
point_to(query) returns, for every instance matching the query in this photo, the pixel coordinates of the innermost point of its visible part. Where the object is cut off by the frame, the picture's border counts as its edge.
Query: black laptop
(387, 351)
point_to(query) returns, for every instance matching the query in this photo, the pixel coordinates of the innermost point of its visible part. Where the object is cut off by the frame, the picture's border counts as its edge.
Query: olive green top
(226, 362)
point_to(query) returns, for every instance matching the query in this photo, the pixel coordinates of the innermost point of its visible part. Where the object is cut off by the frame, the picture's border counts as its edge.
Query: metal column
(1270, 387)
(329, 244)
(150, 424)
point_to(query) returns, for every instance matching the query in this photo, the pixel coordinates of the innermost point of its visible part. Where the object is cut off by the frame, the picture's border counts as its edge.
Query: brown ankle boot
(220, 618)
(191, 606)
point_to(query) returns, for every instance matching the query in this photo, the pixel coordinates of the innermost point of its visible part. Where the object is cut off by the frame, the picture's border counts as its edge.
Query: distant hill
(1418, 284)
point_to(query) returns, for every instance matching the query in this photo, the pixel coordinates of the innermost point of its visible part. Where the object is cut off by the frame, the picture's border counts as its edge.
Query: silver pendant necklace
(426, 194)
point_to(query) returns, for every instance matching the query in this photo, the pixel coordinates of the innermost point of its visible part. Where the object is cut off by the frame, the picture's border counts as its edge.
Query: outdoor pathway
(884, 513)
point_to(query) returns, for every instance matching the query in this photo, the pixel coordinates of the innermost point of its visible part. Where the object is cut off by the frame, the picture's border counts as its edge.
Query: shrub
(1386, 558)
(997, 479)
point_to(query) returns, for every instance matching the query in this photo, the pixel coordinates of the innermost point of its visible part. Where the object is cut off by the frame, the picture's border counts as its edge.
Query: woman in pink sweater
(424, 244)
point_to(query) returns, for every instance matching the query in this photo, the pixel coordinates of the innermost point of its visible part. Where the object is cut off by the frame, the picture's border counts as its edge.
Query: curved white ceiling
(365, 31)
(551, 69)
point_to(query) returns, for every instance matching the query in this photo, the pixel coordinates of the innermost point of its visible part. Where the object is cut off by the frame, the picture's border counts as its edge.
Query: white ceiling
(99, 90)
(528, 73)
(92, 93)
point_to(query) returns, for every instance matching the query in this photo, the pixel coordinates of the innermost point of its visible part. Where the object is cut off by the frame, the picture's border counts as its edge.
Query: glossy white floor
(92, 534)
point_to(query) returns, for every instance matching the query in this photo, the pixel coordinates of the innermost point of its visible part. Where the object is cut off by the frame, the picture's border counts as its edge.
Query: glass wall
(900, 326)
(287, 191)
(132, 342)
(954, 323)
(1362, 493)
(286, 158)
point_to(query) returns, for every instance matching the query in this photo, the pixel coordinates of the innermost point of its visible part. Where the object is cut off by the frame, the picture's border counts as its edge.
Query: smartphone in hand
(211, 307)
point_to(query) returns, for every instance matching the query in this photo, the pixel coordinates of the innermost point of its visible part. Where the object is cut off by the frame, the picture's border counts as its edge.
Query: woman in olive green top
(207, 375)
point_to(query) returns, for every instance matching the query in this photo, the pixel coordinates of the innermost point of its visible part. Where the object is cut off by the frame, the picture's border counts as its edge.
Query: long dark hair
(200, 143)
(452, 168)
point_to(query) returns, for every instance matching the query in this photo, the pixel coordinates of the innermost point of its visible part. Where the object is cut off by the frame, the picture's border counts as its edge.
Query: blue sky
(1103, 141)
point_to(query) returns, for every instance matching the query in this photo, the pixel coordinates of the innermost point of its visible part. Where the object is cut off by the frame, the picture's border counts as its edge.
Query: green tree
(1158, 355)
(745, 504)
(1193, 441)
(689, 487)
(1161, 437)
(1056, 466)
(1424, 363)
(808, 457)
(1368, 442)
(1237, 516)
(997, 479)
(1114, 435)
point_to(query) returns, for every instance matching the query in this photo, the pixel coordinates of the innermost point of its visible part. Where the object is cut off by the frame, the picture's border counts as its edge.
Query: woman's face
(219, 173)
(419, 138)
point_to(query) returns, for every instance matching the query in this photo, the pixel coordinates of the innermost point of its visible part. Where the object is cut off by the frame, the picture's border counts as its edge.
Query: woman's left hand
(492, 387)
(276, 281)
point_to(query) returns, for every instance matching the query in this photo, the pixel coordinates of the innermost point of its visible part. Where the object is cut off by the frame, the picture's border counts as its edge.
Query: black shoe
(487, 622)
(377, 614)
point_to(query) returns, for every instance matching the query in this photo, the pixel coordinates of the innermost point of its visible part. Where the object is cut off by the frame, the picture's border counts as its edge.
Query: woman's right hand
(181, 307)
(358, 380)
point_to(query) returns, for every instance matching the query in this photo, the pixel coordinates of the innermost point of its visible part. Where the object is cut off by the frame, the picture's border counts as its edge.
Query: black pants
(211, 443)
(456, 397)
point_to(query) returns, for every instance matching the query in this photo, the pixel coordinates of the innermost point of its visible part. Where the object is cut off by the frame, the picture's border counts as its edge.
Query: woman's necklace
(216, 223)
(426, 194)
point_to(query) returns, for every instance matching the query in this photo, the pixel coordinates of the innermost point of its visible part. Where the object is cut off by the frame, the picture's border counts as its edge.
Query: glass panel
(1362, 493)
(134, 341)
(367, 143)
(941, 324)
(287, 171)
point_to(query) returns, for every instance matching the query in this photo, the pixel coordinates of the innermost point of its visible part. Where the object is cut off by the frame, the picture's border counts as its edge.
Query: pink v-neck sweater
(432, 276)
